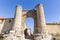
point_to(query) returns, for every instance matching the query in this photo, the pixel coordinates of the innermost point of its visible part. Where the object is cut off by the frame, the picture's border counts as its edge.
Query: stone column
(40, 21)
(18, 21)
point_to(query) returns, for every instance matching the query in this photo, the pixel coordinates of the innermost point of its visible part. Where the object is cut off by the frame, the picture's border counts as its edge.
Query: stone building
(16, 29)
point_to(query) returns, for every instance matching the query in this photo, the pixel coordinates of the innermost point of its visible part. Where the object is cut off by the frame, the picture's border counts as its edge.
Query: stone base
(37, 36)
(12, 36)
(43, 36)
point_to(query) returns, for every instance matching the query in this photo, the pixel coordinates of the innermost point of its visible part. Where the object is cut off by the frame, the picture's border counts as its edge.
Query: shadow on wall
(28, 34)
(8, 23)
(31, 13)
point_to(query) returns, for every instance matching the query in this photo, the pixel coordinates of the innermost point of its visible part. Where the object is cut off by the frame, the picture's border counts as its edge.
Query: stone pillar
(40, 22)
(18, 21)
(40, 18)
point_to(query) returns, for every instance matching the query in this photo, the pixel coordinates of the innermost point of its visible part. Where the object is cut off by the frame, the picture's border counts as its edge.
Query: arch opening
(30, 23)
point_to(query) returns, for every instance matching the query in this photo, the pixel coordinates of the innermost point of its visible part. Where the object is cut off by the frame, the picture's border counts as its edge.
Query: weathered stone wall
(5, 26)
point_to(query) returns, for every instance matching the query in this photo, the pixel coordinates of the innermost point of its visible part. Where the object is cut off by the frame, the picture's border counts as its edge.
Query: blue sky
(51, 9)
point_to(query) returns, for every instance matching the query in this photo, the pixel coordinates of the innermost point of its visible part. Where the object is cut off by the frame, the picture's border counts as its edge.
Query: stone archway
(37, 15)
(30, 14)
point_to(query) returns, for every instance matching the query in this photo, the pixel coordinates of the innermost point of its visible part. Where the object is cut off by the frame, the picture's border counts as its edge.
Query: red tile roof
(1, 17)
